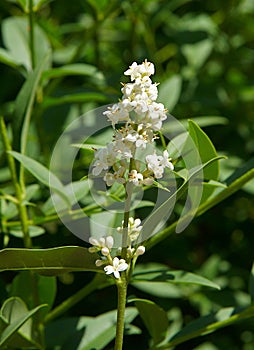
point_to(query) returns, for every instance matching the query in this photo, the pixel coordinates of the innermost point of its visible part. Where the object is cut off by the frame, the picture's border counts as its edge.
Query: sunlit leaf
(34, 231)
(162, 212)
(16, 40)
(73, 69)
(74, 98)
(175, 277)
(75, 192)
(169, 91)
(206, 150)
(41, 173)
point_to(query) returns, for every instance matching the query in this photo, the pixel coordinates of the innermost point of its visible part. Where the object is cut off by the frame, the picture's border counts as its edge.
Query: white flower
(117, 176)
(157, 164)
(117, 113)
(104, 158)
(135, 177)
(140, 70)
(134, 228)
(154, 165)
(164, 161)
(116, 267)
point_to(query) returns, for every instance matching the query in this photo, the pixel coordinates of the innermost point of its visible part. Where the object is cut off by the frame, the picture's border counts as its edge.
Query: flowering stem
(121, 302)
(129, 190)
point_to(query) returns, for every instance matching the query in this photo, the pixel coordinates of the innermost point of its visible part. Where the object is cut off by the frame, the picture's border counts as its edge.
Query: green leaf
(73, 69)
(22, 285)
(14, 312)
(206, 150)
(41, 173)
(16, 39)
(161, 213)
(24, 103)
(169, 276)
(196, 54)
(208, 324)
(6, 58)
(170, 91)
(210, 203)
(74, 98)
(34, 231)
(51, 261)
(154, 318)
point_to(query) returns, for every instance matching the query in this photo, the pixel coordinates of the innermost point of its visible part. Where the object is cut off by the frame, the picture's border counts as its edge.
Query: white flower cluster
(140, 117)
(104, 246)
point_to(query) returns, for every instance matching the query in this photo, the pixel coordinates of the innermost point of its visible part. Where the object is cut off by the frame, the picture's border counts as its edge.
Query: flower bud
(105, 251)
(140, 250)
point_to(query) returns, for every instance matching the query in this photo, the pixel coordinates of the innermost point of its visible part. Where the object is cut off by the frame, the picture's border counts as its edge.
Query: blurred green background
(203, 52)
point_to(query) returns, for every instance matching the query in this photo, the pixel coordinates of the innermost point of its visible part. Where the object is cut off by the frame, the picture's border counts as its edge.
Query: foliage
(59, 61)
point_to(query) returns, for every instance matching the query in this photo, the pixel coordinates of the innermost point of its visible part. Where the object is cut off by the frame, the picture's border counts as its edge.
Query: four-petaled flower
(116, 267)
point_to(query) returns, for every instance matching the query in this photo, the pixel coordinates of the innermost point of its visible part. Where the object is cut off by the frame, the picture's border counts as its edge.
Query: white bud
(93, 241)
(99, 262)
(140, 250)
(109, 242)
(105, 251)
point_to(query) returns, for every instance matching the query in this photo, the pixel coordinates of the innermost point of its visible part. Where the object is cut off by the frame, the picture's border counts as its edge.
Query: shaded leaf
(154, 318)
(86, 333)
(51, 261)
(251, 283)
(208, 324)
(15, 313)
(22, 285)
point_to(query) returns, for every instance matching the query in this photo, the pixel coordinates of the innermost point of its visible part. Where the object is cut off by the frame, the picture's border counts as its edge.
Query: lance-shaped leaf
(168, 276)
(51, 261)
(41, 173)
(206, 150)
(73, 69)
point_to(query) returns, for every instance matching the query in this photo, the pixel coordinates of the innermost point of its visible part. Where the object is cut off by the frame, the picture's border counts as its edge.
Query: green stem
(121, 302)
(31, 33)
(19, 195)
